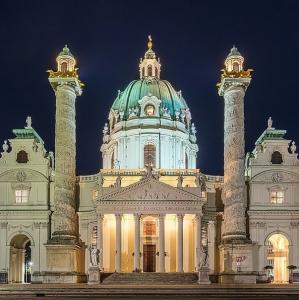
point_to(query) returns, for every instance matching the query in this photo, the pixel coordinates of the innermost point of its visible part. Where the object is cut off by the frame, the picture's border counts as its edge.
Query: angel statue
(204, 256)
(94, 256)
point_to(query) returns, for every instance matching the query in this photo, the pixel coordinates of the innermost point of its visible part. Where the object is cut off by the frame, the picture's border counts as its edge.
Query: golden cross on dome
(150, 42)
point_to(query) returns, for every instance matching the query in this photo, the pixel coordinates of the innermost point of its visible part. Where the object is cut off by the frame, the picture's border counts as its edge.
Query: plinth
(237, 262)
(203, 275)
(94, 275)
(64, 265)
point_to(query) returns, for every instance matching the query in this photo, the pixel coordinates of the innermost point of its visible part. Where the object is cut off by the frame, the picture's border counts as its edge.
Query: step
(149, 278)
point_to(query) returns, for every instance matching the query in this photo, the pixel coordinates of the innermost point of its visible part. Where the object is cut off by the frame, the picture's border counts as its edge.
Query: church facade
(149, 209)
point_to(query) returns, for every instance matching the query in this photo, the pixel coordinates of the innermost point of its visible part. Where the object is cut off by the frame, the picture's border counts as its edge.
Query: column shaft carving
(234, 227)
(65, 216)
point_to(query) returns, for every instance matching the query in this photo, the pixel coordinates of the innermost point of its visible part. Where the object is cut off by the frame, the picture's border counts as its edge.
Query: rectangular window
(277, 197)
(149, 228)
(22, 196)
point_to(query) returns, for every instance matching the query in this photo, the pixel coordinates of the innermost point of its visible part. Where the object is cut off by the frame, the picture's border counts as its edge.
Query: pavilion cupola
(150, 66)
(65, 61)
(234, 61)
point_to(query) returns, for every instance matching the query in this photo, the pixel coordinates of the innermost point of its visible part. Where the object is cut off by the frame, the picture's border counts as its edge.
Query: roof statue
(270, 123)
(293, 147)
(28, 122)
(150, 42)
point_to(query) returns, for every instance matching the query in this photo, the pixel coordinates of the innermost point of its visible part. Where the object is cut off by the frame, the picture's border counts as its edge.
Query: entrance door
(149, 258)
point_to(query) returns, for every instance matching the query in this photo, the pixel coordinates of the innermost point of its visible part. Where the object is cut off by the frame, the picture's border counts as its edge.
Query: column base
(238, 277)
(58, 277)
(65, 264)
(94, 275)
(238, 262)
(203, 275)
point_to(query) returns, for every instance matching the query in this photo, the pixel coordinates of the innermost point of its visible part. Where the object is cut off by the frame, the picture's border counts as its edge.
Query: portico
(149, 226)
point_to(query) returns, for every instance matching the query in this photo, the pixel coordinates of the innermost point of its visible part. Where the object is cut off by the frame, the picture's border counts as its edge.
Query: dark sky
(192, 39)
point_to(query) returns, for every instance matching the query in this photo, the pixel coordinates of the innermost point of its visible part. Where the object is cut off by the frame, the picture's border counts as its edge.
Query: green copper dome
(137, 89)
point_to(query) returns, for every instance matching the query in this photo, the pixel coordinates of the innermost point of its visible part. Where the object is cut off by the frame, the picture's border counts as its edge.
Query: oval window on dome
(149, 110)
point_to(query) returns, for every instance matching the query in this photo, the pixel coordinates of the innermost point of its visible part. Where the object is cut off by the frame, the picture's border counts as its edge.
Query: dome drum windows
(149, 157)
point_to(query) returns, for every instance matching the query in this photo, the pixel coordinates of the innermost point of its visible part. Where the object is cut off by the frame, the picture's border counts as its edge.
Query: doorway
(20, 263)
(278, 257)
(149, 258)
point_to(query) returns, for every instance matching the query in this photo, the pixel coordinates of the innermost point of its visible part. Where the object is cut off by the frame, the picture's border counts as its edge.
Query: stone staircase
(149, 278)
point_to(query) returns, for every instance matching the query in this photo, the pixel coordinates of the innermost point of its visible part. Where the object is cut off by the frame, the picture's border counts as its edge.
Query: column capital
(211, 222)
(161, 216)
(180, 216)
(198, 215)
(137, 216)
(100, 216)
(118, 216)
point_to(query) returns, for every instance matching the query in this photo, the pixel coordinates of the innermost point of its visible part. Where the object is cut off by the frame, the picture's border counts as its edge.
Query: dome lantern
(149, 66)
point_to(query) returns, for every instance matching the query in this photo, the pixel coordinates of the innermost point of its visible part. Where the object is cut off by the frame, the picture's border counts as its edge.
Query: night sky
(192, 39)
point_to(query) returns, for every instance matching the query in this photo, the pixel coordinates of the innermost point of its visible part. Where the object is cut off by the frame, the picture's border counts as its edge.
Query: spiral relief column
(235, 243)
(64, 249)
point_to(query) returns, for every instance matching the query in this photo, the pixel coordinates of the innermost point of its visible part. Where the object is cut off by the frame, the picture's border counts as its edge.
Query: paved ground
(84, 291)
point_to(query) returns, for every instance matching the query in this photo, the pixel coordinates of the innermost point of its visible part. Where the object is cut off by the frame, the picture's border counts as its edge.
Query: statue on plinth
(94, 256)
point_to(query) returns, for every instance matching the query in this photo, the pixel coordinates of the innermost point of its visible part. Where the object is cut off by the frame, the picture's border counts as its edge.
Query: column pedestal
(237, 262)
(64, 265)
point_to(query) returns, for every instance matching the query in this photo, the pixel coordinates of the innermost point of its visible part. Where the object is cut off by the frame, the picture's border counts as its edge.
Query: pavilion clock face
(277, 177)
(149, 110)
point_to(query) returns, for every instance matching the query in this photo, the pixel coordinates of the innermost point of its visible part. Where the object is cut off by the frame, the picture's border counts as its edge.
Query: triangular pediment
(150, 189)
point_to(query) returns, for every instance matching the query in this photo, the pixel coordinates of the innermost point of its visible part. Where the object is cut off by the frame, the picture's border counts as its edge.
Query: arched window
(186, 161)
(276, 158)
(63, 67)
(150, 155)
(112, 160)
(236, 67)
(22, 157)
(149, 70)
(156, 72)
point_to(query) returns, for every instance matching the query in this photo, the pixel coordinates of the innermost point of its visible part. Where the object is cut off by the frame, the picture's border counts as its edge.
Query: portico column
(137, 242)
(198, 240)
(180, 239)
(162, 243)
(100, 240)
(118, 218)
